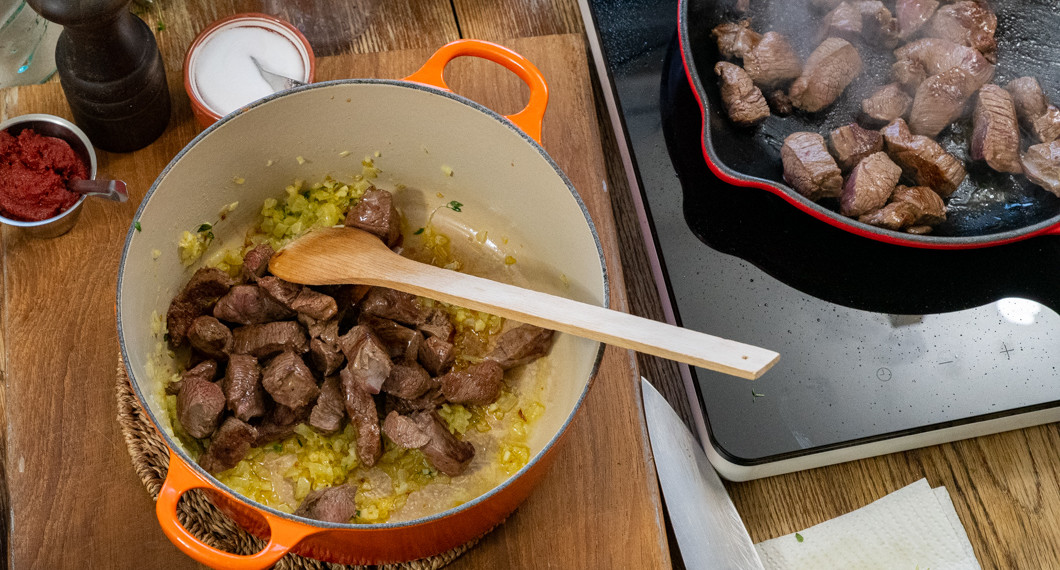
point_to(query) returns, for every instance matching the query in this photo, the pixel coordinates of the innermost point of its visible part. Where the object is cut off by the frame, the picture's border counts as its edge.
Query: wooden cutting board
(72, 494)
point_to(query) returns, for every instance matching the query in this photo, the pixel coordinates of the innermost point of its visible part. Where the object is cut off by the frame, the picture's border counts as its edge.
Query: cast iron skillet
(989, 208)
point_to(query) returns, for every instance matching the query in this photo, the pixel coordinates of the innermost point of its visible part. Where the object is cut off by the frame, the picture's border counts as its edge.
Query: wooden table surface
(69, 496)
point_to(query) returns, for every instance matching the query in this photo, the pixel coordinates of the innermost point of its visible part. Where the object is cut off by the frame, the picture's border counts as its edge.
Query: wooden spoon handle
(580, 319)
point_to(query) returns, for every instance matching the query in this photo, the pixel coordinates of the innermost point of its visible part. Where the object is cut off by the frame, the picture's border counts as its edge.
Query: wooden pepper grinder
(111, 72)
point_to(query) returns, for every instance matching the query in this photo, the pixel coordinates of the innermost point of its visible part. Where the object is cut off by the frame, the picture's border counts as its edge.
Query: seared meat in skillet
(375, 213)
(478, 384)
(851, 143)
(828, 71)
(250, 305)
(256, 262)
(521, 345)
(1041, 164)
(772, 61)
(289, 381)
(887, 104)
(735, 40)
(912, 14)
(915, 206)
(996, 138)
(945, 75)
(328, 411)
(1034, 110)
(867, 20)
(809, 168)
(267, 339)
(922, 159)
(969, 23)
(869, 185)
(743, 101)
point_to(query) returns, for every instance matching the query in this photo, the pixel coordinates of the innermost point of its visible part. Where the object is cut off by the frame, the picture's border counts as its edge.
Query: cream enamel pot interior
(509, 187)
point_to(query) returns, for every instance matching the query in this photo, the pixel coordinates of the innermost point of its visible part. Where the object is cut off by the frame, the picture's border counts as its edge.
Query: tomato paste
(34, 171)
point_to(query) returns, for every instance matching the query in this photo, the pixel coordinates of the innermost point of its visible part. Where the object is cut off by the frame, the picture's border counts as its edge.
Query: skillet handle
(529, 119)
(180, 479)
(1053, 231)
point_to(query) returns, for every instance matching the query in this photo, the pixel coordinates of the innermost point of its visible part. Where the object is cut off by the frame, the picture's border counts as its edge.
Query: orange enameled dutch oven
(429, 142)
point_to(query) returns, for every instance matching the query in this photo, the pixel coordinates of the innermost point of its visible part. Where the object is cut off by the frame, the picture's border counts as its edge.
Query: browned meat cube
(779, 102)
(968, 23)
(436, 355)
(256, 262)
(996, 135)
(869, 185)
(408, 380)
(267, 339)
(399, 340)
(375, 213)
(279, 423)
(809, 168)
(289, 381)
(445, 452)
(365, 417)
(479, 384)
(437, 324)
(772, 62)
(1033, 109)
(228, 446)
(283, 292)
(429, 401)
(367, 358)
(326, 330)
(736, 40)
(851, 144)
(743, 101)
(205, 370)
(324, 357)
(204, 288)
(521, 345)
(954, 73)
(242, 387)
(200, 404)
(315, 304)
(828, 71)
(868, 20)
(1041, 164)
(331, 504)
(922, 159)
(912, 14)
(910, 207)
(329, 410)
(250, 305)
(403, 431)
(394, 305)
(887, 104)
(210, 337)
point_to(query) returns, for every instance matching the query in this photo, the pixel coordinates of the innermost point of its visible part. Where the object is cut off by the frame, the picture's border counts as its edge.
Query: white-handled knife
(709, 531)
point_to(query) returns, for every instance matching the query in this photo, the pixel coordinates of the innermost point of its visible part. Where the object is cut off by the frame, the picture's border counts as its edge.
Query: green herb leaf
(161, 26)
(209, 235)
(277, 448)
(798, 537)
(756, 395)
(454, 206)
(204, 228)
(165, 337)
(419, 231)
(136, 225)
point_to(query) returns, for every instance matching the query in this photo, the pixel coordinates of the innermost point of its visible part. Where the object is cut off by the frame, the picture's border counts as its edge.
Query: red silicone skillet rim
(882, 236)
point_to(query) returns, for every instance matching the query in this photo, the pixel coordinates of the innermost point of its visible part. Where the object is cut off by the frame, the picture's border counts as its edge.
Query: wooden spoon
(332, 256)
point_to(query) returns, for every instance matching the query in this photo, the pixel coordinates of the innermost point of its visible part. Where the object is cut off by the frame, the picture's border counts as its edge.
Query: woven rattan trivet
(150, 458)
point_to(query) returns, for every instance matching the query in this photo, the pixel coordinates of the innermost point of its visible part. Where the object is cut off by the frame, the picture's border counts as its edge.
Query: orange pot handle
(529, 119)
(181, 478)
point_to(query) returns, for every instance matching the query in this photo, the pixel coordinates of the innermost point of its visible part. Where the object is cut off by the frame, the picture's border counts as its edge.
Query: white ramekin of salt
(219, 74)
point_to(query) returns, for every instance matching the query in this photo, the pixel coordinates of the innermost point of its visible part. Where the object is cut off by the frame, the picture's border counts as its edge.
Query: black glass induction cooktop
(878, 342)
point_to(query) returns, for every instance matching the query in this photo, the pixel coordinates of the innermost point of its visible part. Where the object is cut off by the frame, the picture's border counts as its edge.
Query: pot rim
(179, 449)
(831, 217)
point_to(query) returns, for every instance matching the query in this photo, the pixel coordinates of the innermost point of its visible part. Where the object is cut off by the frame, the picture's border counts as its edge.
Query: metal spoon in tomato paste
(109, 189)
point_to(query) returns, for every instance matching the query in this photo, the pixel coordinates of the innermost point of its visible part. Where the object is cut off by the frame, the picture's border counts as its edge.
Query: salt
(224, 74)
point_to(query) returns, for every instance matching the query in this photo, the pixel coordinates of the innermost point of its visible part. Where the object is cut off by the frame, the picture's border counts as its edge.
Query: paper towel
(913, 527)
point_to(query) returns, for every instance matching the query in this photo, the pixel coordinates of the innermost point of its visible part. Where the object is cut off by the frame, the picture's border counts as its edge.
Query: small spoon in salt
(275, 80)
(109, 189)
